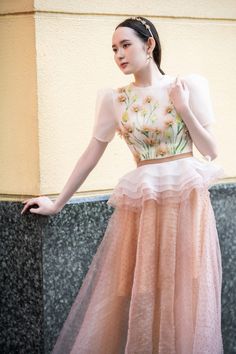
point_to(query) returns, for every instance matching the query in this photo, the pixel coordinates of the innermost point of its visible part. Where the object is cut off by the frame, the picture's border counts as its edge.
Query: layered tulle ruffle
(172, 181)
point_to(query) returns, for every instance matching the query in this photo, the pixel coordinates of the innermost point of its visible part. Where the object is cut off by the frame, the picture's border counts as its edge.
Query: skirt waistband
(165, 159)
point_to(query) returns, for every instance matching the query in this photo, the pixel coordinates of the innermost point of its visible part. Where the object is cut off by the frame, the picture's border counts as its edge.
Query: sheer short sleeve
(105, 123)
(199, 98)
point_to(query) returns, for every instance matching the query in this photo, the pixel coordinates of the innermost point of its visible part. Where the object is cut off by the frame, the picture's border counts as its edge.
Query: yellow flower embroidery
(153, 118)
(162, 149)
(121, 89)
(148, 99)
(150, 141)
(169, 122)
(128, 128)
(157, 130)
(178, 118)
(146, 129)
(143, 112)
(121, 98)
(136, 108)
(167, 134)
(148, 138)
(125, 116)
(169, 109)
(125, 131)
(129, 89)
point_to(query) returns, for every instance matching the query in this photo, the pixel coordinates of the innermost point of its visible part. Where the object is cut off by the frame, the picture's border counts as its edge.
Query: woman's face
(129, 50)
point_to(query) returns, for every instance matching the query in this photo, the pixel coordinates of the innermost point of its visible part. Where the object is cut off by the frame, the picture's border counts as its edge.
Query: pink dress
(154, 284)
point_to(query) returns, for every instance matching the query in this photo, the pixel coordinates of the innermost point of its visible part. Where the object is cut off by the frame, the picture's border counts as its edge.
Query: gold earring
(149, 57)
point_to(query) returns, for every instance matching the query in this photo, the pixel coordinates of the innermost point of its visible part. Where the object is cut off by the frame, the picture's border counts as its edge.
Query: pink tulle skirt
(154, 284)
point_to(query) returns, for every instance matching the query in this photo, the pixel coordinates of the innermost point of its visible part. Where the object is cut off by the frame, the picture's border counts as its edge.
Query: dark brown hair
(143, 33)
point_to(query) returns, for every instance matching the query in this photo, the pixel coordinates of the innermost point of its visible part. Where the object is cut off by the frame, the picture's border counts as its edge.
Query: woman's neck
(149, 75)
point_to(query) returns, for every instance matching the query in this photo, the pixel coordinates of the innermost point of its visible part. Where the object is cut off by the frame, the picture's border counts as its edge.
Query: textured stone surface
(223, 197)
(21, 281)
(44, 260)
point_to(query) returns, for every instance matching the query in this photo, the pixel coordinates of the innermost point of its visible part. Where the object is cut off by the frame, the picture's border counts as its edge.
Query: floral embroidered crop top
(146, 118)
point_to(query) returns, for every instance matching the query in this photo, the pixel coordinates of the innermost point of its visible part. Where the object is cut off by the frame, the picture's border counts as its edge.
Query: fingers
(34, 210)
(24, 209)
(177, 82)
(184, 85)
(29, 203)
(24, 201)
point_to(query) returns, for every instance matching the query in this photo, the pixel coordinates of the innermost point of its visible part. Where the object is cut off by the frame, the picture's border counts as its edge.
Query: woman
(154, 285)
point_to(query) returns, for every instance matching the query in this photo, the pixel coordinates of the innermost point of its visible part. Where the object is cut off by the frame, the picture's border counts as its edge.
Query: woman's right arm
(103, 132)
(83, 167)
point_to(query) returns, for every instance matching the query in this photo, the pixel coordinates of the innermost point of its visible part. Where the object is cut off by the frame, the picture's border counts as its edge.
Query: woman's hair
(143, 33)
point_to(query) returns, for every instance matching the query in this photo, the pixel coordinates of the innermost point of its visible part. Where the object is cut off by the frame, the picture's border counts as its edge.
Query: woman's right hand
(45, 206)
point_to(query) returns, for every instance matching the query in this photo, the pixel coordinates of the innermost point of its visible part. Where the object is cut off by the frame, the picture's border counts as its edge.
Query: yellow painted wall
(19, 148)
(55, 55)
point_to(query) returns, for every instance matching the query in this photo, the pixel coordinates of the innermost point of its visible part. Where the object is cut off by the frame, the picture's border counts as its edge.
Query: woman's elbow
(213, 157)
(214, 154)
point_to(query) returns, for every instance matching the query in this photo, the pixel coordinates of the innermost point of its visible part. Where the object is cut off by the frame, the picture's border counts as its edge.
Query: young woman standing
(154, 285)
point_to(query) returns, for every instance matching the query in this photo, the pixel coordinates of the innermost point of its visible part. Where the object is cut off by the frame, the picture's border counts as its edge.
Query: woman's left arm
(202, 136)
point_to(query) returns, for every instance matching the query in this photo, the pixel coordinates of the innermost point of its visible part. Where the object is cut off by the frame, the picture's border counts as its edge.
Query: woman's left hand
(179, 95)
